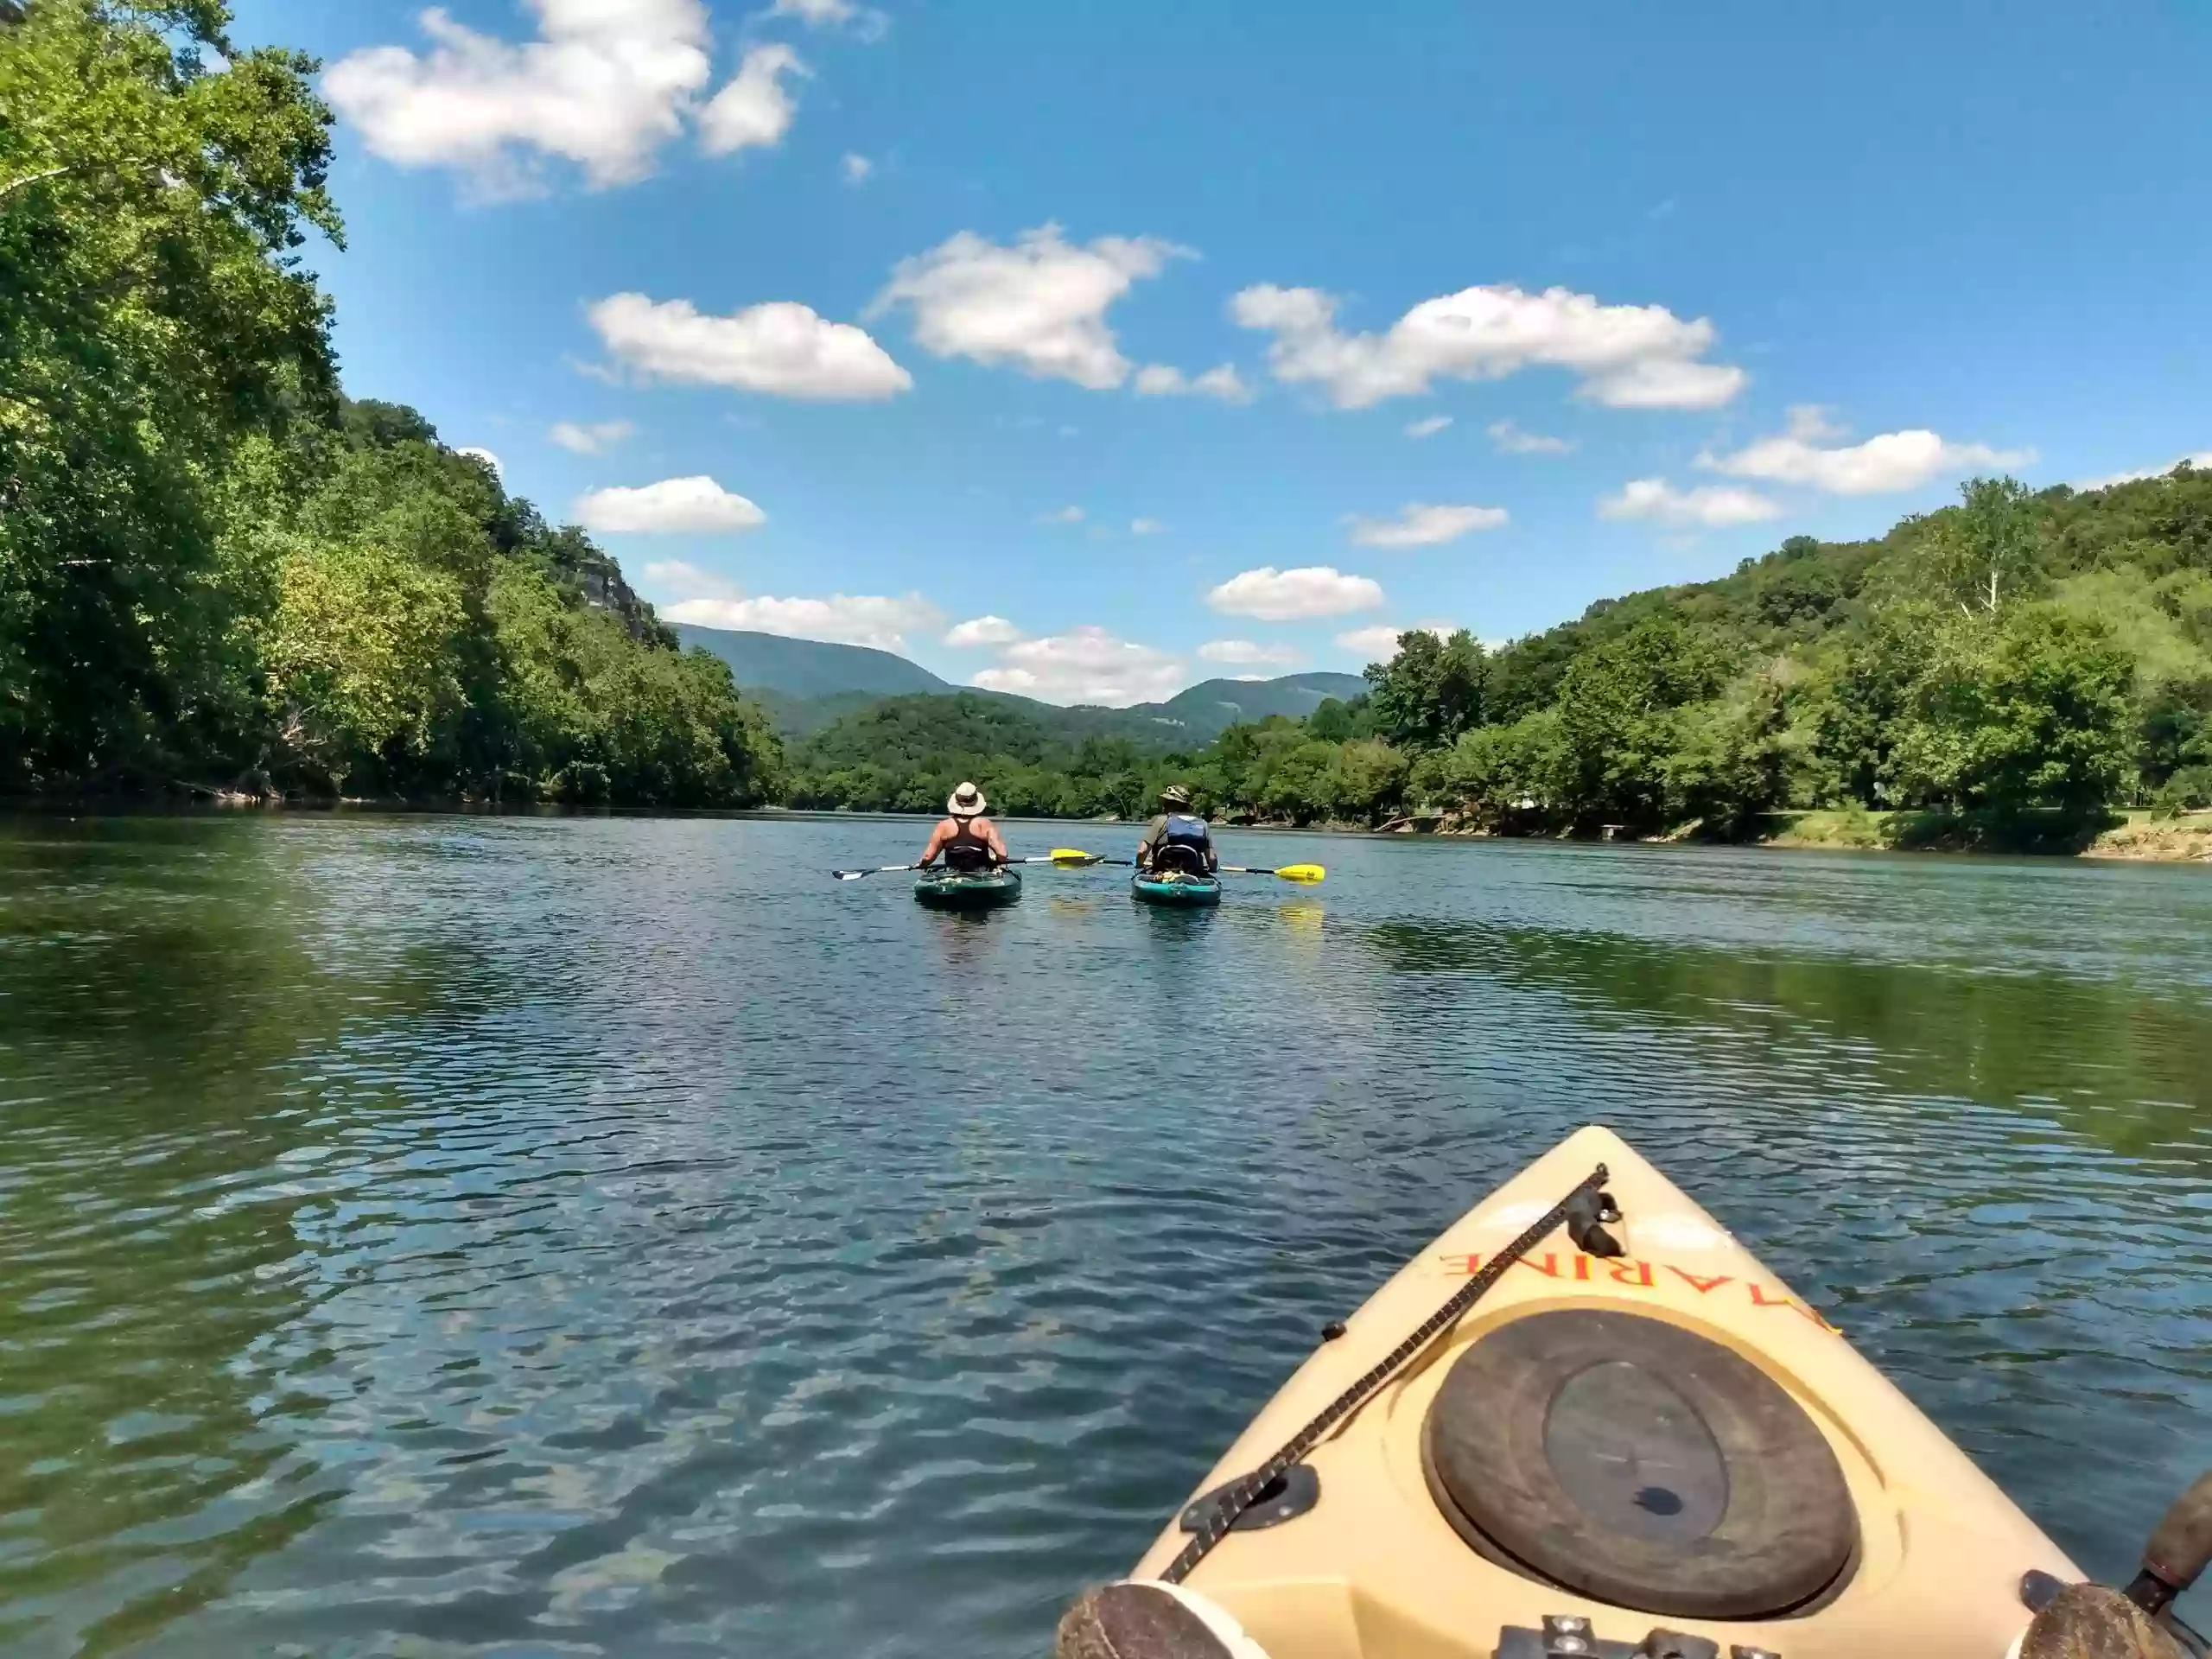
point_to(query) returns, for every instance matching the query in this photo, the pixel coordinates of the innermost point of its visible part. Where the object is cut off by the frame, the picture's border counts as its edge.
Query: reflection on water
(480, 1236)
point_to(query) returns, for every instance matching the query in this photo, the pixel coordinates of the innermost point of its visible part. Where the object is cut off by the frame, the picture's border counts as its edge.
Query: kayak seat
(1635, 1462)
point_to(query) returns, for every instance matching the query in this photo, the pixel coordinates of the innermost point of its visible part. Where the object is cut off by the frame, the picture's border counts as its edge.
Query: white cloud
(710, 602)
(1085, 664)
(983, 631)
(2202, 461)
(673, 506)
(1379, 643)
(863, 21)
(1069, 514)
(1710, 504)
(1628, 356)
(1427, 427)
(855, 167)
(488, 457)
(781, 347)
(1892, 461)
(754, 110)
(1273, 595)
(1221, 381)
(1146, 527)
(595, 439)
(604, 86)
(1246, 653)
(1419, 523)
(1039, 304)
(1510, 440)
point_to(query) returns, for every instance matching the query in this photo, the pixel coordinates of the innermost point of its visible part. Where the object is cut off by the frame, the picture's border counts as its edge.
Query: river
(610, 1236)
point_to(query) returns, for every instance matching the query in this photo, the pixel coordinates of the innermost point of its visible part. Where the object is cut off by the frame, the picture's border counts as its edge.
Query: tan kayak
(1667, 1439)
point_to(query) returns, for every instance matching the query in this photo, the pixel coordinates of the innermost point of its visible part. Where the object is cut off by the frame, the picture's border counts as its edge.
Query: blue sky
(927, 293)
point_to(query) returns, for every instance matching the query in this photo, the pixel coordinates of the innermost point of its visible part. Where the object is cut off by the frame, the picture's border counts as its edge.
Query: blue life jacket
(1185, 844)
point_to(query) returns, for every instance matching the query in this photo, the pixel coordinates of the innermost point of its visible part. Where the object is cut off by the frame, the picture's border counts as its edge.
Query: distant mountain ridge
(806, 684)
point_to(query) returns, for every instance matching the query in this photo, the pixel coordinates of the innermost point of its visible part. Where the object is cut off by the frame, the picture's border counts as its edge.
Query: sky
(1088, 351)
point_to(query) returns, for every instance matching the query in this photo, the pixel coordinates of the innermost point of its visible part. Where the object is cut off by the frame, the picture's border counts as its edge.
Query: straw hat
(966, 802)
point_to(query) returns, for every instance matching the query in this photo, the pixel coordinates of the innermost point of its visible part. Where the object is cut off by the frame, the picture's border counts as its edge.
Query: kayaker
(1177, 839)
(967, 839)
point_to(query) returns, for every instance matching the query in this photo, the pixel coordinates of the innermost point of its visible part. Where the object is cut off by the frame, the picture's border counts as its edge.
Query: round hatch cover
(1638, 1463)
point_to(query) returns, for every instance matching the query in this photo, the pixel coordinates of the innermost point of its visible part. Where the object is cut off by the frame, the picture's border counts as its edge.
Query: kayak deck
(968, 890)
(1935, 1552)
(1174, 887)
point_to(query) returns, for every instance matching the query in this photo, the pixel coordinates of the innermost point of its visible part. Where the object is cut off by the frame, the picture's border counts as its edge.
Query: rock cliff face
(598, 579)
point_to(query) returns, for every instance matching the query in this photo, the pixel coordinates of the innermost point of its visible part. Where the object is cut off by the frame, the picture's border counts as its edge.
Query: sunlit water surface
(509, 1237)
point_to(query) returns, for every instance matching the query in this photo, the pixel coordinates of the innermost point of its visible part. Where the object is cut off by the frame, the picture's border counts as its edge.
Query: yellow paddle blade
(1072, 856)
(1302, 872)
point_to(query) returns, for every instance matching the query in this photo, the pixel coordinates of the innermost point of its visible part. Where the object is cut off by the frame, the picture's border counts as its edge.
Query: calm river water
(450, 1235)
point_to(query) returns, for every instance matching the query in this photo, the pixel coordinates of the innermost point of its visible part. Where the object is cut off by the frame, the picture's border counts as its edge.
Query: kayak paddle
(1308, 874)
(1067, 855)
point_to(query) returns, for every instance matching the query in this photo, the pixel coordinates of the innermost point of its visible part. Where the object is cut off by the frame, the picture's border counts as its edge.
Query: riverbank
(2135, 836)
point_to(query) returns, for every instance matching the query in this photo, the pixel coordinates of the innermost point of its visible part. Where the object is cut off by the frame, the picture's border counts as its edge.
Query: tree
(153, 315)
(1983, 551)
(1430, 692)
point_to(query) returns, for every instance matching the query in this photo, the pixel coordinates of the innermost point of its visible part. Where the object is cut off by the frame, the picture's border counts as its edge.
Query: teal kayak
(968, 890)
(1174, 888)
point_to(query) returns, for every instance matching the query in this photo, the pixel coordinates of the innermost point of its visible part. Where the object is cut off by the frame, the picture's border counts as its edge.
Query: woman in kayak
(1176, 840)
(968, 840)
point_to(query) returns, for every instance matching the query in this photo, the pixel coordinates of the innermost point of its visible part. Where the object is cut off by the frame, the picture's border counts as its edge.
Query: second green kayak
(1176, 889)
(968, 890)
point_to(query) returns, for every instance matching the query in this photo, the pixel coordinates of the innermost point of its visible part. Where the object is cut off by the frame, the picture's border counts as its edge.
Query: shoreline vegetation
(221, 580)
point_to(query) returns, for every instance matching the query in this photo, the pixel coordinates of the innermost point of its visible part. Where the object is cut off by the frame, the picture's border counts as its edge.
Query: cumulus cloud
(1247, 653)
(673, 506)
(1711, 505)
(1038, 305)
(710, 602)
(1221, 381)
(1146, 527)
(488, 457)
(1084, 665)
(754, 110)
(864, 20)
(593, 439)
(1627, 355)
(1510, 440)
(2202, 461)
(1273, 595)
(979, 631)
(1890, 461)
(855, 167)
(782, 348)
(1069, 514)
(1380, 642)
(1427, 427)
(603, 86)
(1419, 523)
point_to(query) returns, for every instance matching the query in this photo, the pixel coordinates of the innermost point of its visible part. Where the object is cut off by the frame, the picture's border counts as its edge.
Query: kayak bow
(968, 890)
(1173, 887)
(1637, 1426)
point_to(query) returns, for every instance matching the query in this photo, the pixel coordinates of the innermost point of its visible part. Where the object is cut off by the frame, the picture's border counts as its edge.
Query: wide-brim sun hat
(965, 802)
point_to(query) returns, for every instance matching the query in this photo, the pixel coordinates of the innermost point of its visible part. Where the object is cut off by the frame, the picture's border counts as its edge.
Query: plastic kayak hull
(1382, 1563)
(1176, 889)
(979, 890)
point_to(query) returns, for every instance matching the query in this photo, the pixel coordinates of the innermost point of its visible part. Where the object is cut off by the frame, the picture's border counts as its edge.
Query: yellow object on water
(1664, 1438)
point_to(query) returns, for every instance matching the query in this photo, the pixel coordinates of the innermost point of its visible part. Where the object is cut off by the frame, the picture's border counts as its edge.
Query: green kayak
(968, 890)
(1176, 889)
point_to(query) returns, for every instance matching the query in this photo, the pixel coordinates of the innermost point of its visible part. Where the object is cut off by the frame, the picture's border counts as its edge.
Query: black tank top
(967, 850)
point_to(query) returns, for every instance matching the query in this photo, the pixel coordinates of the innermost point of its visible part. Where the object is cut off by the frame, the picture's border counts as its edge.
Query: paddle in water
(1307, 873)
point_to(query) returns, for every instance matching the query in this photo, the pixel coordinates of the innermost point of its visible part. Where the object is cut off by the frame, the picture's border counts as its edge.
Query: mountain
(1210, 708)
(809, 668)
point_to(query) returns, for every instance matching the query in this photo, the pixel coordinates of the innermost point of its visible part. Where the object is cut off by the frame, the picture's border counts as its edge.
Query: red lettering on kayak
(1759, 1300)
(1622, 1267)
(1550, 1268)
(1581, 1268)
(1703, 1287)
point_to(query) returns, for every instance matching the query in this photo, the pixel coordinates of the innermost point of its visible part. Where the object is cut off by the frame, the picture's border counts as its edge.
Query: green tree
(1430, 692)
(1984, 551)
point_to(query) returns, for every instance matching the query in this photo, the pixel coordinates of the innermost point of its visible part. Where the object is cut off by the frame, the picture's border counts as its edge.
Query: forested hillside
(2017, 660)
(213, 570)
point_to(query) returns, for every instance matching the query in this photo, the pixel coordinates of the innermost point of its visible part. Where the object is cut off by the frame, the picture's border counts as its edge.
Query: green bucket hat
(1175, 795)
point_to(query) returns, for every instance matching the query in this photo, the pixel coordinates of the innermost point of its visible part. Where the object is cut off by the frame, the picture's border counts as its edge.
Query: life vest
(1185, 844)
(967, 850)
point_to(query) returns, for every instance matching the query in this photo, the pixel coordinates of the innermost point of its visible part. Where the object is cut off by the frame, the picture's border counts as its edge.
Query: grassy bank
(2137, 835)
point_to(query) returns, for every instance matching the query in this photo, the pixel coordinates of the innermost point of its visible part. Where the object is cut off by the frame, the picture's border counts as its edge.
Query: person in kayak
(1177, 840)
(967, 839)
